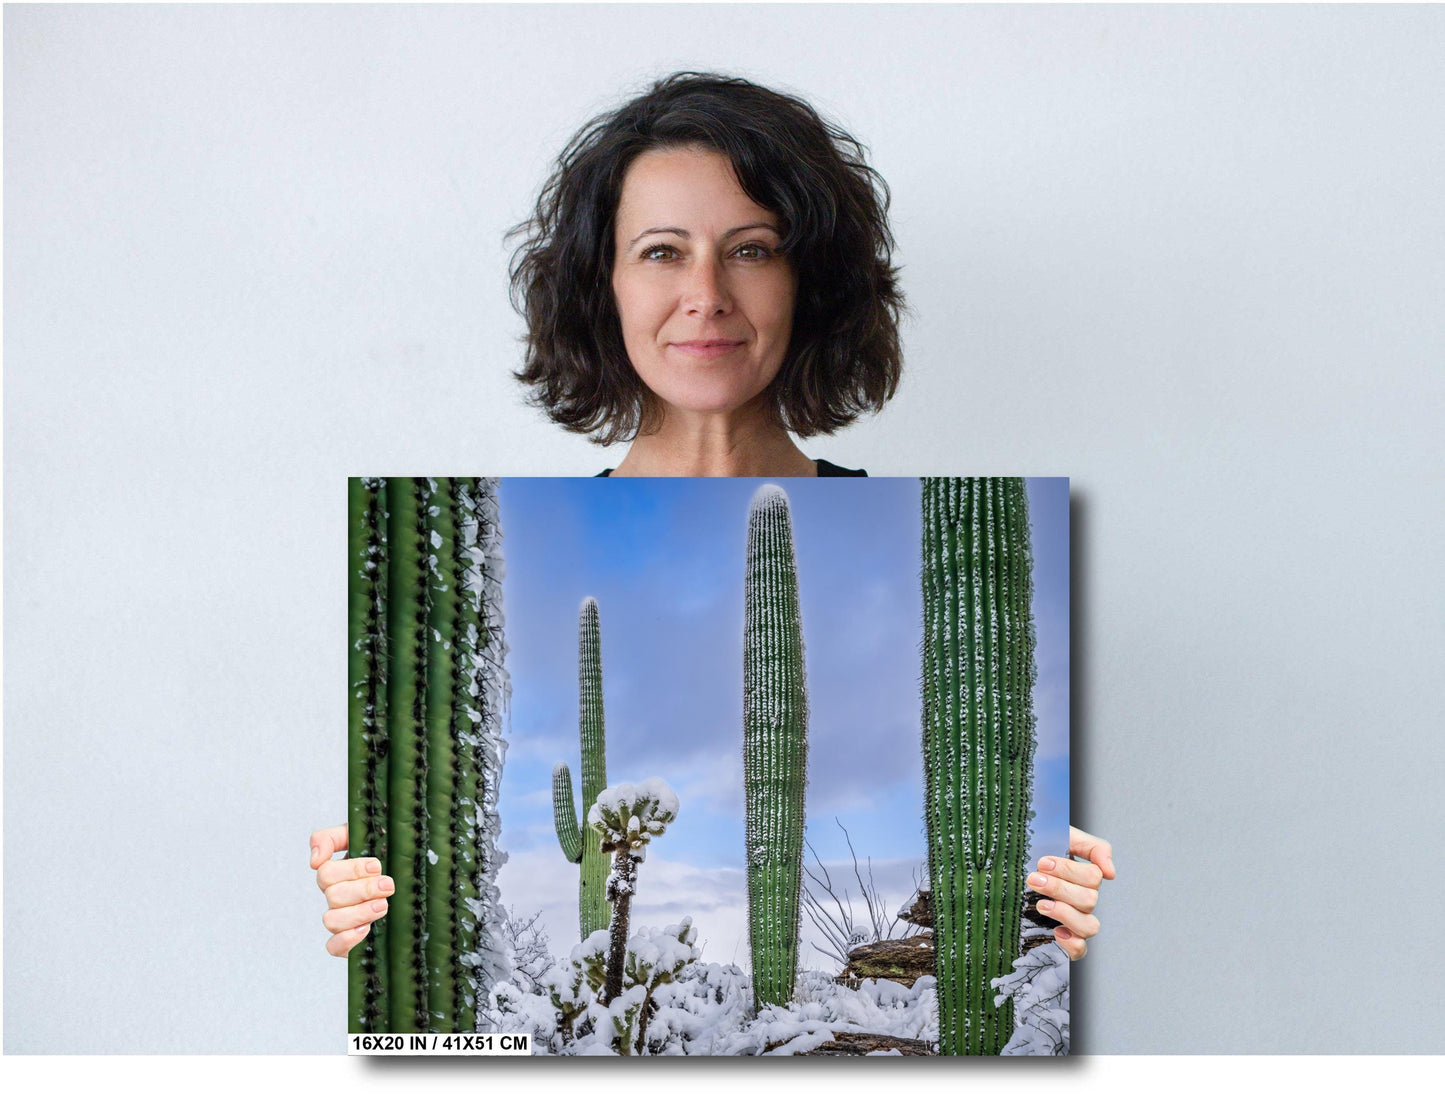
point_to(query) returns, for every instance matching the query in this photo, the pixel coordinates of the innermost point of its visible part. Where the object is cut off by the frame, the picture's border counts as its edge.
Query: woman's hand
(1073, 889)
(355, 889)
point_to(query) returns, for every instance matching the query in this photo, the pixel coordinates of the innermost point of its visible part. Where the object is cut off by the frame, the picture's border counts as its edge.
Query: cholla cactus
(626, 818)
(576, 990)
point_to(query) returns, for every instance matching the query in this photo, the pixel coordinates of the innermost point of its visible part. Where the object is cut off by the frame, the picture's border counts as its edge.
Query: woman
(707, 274)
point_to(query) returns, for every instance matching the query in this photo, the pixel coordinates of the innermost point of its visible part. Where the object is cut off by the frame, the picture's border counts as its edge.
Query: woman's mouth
(707, 348)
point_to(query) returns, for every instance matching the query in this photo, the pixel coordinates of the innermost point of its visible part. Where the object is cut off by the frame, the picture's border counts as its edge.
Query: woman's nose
(707, 290)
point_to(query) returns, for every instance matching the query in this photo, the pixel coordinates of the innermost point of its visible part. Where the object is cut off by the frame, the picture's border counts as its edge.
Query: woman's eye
(659, 253)
(753, 251)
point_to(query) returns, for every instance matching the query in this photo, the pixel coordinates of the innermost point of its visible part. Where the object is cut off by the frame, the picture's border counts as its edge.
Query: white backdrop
(1192, 257)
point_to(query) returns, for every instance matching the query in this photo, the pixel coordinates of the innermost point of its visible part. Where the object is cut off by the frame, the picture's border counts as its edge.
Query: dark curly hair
(844, 355)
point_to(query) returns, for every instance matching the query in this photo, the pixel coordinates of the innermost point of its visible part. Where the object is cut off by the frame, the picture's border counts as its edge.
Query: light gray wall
(1192, 257)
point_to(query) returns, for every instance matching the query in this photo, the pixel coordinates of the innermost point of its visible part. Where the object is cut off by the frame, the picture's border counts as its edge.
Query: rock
(921, 912)
(904, 960)
(907, 959)
(1031, 911)
(844, 1043)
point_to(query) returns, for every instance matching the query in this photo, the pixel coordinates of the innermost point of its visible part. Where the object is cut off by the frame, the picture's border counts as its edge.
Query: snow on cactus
(1039, 988)
(627, 818)
(660, 978)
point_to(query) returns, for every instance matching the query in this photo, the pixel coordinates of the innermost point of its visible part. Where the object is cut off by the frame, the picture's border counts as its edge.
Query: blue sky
(664, 558)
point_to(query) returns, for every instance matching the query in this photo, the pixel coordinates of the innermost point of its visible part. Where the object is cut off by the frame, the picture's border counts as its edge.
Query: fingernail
(1046, 904)
(380, 905)
(1039, 881)
(314, 853)
(1046, 864)
(373, 866)
(388, 884)
(1063, 934)
(363, 930)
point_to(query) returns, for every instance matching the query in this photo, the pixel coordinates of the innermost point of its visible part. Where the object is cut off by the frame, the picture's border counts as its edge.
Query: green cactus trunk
(409, 600)
(426, 670)
(581, 844)
(366, 727)
(775, 746)
(978, 743)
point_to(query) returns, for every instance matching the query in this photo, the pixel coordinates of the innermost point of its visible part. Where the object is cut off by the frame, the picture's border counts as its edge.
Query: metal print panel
(711, 766)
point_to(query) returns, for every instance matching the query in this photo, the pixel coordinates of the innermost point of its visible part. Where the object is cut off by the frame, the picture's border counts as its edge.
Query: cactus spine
(582, 845)
(427, 676)
(775, 745)
(978, 743)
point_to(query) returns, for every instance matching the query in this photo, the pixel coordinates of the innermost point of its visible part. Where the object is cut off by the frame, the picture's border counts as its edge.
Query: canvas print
(711, 766)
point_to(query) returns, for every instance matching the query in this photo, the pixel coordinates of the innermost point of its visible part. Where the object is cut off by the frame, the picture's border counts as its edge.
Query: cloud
(667, 891)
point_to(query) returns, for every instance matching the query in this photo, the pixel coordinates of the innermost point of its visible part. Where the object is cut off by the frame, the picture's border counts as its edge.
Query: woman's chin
(700, 402)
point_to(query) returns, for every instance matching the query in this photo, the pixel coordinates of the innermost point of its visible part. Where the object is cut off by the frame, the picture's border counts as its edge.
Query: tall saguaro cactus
(427, 687)
(582, 845)
(775, 745)
(978, 743)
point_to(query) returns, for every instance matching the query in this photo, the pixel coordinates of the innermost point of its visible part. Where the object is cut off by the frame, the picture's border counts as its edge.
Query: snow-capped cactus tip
(628, 815)
(769, 494)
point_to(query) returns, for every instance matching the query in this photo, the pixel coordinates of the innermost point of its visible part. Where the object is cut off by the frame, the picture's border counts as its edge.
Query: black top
(825, 470)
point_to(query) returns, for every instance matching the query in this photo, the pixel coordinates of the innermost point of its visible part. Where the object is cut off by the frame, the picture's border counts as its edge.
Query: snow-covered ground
(672, 1003)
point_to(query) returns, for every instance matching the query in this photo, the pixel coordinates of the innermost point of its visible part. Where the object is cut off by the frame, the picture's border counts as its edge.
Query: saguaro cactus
(978, 743)
(367, 730)
(579, 845)
(427, 688)
(775, 745)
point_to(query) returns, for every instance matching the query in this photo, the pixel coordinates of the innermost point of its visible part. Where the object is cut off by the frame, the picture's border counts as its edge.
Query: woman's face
(705, 300)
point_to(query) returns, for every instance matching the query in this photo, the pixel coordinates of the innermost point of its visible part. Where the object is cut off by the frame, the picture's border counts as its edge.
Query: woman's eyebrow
(682, 233)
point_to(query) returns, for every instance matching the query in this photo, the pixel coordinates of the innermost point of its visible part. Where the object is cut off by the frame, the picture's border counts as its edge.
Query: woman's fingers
(344, 942)
(350, 892)
(343, 918)
(1057, 878)
(1070, 942)
(326, 842)
(1093, 849)
(335, 871)
(1077, 922)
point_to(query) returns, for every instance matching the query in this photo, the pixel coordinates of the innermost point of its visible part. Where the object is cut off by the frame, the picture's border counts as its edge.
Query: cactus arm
(564, 811)
(366, 728)
(407, 500)
(775, 722)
